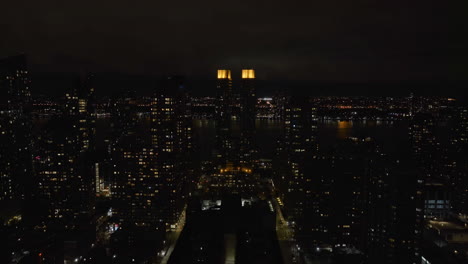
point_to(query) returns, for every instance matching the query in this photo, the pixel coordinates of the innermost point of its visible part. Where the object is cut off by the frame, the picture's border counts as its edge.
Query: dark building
(151, 174)
(296, 179)
(137, 189)
(248, 114)
(437, 201)
(228, 231)
(234, 146)
(226, 146)
(123, 112)
(394, 212)
(64, 183)
(63, 162)
(337, 187)
(425, 147)
(171, 138)
(65, 187)
(458, 160)
(15, 127)
(15, 84)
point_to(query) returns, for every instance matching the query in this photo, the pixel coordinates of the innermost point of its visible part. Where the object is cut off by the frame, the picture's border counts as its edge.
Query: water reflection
(344, 129)
(392, 135)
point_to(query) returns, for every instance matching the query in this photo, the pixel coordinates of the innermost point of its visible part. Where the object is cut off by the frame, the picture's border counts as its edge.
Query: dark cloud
(337, 40)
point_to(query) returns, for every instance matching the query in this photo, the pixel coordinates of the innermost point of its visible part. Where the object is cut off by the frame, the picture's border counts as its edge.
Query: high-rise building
(425, 147)
(64, 164)
(235, 152)
(458, 161)
(15, 94)
(151, 175)
(64, 188)
(171, 138)
(124, 118)
(79, 106)
(225, 147)
(15, 128)
(295, 154)
(248, 102)
(137, 186)
(331, 205)
(437, 201)
(394, 212)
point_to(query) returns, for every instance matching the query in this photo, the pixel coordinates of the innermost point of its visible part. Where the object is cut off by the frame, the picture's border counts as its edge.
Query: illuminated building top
(248, 74)
(224, 74)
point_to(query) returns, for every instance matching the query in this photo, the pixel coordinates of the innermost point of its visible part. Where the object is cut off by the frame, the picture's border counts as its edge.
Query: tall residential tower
(15, 128)
(248, 99)
(225, 144)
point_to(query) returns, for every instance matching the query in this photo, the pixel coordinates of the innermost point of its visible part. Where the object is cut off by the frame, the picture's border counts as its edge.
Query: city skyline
(248, 132)
(111, 84)
(136, 175)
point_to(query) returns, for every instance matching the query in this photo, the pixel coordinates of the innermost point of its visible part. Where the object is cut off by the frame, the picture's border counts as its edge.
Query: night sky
(327, 40)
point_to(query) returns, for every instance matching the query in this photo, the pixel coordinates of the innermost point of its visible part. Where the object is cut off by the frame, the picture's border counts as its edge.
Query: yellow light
(248, 74)
(224, 74)
(345, 124)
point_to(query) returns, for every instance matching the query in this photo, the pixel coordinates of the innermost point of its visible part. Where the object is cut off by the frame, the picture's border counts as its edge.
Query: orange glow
(344, 129)
(344, 106)
(235, 169)
(345, 124)
(248, 74)
(224, 74)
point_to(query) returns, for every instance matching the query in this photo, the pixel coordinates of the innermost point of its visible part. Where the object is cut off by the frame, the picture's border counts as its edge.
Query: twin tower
(246, 74)
(242, 105)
